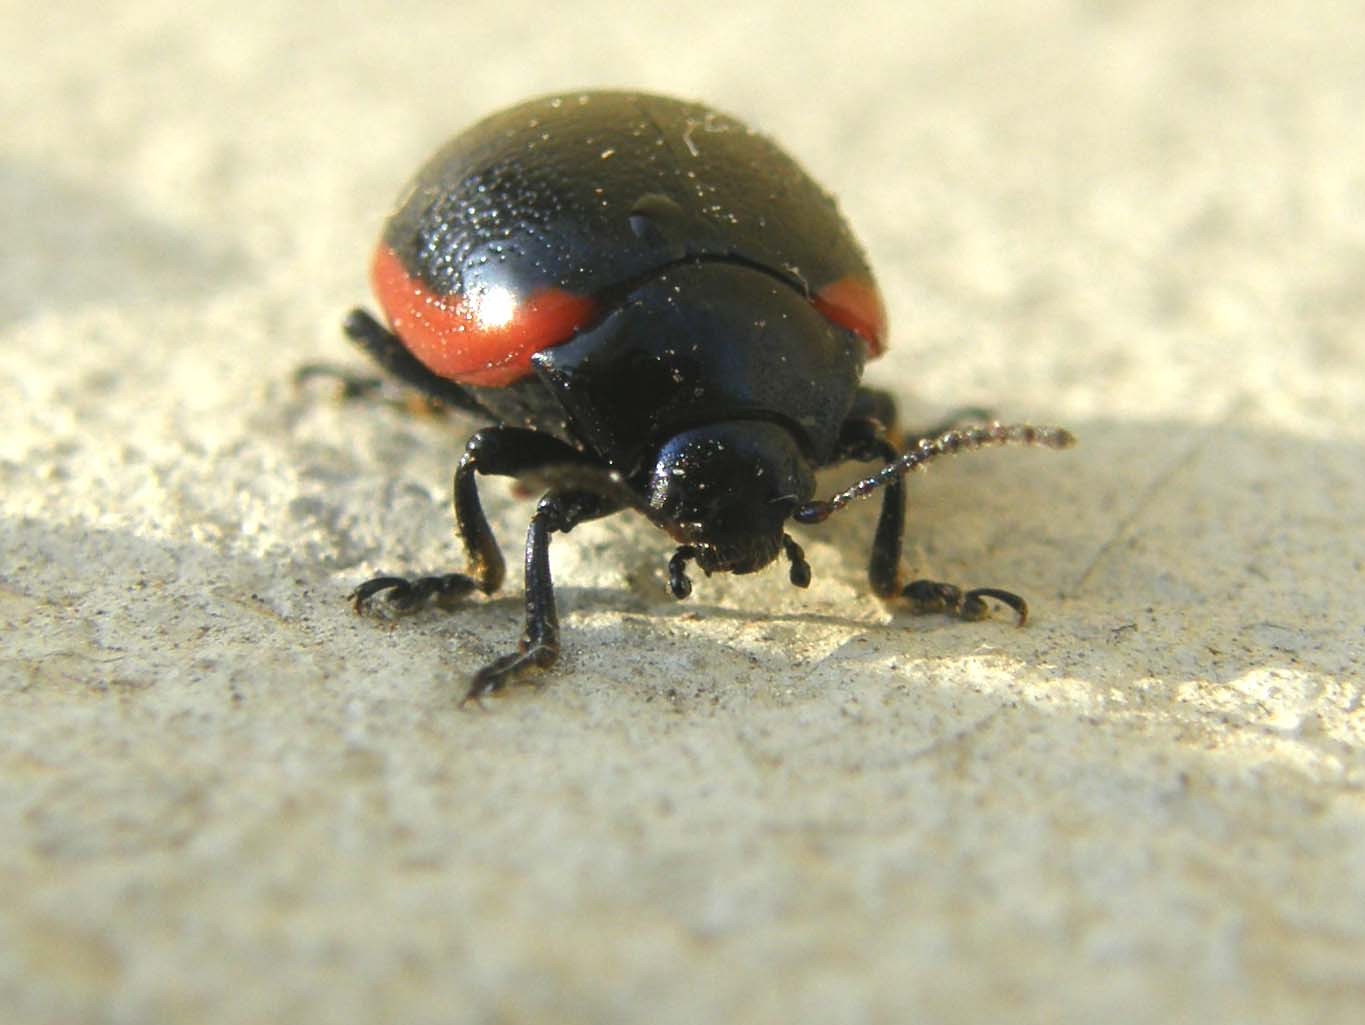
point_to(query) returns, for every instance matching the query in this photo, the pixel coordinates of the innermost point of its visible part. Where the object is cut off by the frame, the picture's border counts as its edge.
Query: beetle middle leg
(865, 440)
(499, 451)
(876, 404)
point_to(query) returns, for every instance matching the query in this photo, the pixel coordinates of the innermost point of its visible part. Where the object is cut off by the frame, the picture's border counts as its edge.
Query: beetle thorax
(726, 490)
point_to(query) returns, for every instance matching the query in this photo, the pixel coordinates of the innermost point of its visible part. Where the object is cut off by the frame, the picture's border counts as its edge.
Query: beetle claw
(932, 597)
(406, 596)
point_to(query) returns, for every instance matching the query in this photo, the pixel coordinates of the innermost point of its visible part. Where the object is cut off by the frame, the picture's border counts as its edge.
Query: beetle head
(726, 489)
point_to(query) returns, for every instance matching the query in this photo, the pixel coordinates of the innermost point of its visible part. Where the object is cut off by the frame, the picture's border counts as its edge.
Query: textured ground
(226, 799)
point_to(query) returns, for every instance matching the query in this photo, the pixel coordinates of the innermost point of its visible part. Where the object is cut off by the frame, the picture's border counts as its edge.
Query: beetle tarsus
(679, 583)
(403, 596)
(349, 384)
(800, 568)
(352, 386)
(500, 672)
(865, 439)
(933, 597)
(1009, 598)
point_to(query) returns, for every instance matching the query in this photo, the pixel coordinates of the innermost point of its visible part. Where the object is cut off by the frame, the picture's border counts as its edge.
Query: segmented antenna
(959, 439)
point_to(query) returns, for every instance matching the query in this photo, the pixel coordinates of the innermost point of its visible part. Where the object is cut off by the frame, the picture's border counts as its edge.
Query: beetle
(657, 310)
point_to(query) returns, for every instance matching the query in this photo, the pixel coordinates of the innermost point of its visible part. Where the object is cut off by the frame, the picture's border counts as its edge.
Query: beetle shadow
(73, 246)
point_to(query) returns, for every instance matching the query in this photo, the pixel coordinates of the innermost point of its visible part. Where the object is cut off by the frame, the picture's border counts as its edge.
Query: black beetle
(660, 311)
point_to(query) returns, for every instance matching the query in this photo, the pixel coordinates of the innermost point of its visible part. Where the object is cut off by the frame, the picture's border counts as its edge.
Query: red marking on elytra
(486, 340)
(855, 304)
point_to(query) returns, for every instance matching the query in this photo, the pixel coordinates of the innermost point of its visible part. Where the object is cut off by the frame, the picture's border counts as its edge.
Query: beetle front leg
(557, 512)
(865, 440)
(499, 451)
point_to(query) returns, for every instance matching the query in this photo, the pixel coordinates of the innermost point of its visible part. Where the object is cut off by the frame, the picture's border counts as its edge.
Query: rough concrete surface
(224, 798)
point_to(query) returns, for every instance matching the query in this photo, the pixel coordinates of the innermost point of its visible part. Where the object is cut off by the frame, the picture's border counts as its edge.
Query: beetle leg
(350, 385)
(800, 568)
(679, 583)
(927, 597)
(875, 404)
(557, 512)
(865, 440)
(388, 350)
(499, 451)
(426, 394)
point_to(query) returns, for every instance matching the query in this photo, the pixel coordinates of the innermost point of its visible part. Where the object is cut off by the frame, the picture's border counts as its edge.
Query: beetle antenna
(959, 439)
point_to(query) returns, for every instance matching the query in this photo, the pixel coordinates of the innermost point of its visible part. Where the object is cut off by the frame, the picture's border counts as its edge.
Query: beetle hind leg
(407, 385)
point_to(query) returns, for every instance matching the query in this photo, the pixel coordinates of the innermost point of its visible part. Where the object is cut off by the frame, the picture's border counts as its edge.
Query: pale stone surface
(226, 799)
